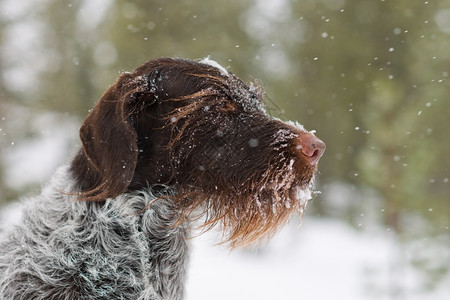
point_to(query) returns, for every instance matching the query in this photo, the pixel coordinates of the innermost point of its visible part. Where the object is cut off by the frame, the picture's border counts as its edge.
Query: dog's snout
(311, 147)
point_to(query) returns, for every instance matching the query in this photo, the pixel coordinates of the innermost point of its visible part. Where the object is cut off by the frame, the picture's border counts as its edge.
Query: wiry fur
(172, 142)
(127, 248)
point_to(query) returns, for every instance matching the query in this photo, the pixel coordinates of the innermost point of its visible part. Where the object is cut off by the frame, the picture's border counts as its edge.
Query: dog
(173, 143)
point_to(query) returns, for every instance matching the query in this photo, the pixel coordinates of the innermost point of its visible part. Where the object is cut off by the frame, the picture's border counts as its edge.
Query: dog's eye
(227, 106)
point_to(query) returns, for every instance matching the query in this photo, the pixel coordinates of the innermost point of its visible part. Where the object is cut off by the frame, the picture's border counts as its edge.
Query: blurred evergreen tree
(370, 75)
(67, 84)
(142, 30)
(5, 191)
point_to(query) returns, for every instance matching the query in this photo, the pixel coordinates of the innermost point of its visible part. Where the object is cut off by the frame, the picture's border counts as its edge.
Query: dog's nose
(311, 147)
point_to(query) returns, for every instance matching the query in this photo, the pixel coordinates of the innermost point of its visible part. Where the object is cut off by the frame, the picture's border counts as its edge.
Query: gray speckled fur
(66, 249)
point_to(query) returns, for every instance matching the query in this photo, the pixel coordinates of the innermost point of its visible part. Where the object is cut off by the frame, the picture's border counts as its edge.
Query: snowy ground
(324, 259)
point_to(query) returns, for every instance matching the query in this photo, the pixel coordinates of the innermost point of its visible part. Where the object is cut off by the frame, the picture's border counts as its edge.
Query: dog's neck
(140, 227)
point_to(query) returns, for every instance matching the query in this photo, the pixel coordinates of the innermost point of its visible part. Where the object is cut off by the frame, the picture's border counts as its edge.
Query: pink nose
(311, 147)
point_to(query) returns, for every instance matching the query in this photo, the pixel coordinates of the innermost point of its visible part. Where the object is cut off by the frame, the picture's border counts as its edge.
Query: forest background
(371, 77)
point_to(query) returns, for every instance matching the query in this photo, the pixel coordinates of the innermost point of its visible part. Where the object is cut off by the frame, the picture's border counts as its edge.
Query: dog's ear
(106, 164)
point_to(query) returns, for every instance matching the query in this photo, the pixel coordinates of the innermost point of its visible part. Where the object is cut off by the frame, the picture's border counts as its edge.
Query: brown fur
(188, 125)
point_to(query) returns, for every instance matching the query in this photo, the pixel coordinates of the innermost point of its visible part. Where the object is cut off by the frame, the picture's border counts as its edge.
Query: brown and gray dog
(172, 142)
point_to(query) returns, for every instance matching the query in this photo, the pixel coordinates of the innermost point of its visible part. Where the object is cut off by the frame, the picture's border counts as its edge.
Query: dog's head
(197, 127)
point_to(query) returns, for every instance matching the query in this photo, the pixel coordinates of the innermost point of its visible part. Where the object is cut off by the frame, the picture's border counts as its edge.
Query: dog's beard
(257, 209)
(248, 209)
